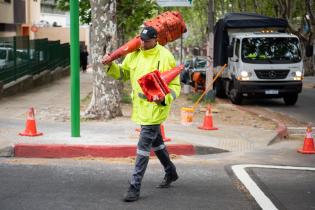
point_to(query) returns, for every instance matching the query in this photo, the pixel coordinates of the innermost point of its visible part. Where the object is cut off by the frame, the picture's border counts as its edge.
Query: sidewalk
(114, 138)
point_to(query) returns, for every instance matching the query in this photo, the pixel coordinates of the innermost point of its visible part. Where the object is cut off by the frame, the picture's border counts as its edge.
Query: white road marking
(263, 201)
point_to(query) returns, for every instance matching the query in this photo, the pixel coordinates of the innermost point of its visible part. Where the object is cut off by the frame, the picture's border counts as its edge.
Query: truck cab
(264, 64)
(263, 59)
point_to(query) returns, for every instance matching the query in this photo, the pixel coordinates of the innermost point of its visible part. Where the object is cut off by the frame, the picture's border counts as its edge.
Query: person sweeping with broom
(151, 56)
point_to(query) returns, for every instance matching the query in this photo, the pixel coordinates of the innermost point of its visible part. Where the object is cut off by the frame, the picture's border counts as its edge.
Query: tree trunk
(222, 6)
(310, 62)
(105, 102)
(255, 6)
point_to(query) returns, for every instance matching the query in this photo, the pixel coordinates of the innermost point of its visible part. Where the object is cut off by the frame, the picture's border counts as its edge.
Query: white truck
(263, 60)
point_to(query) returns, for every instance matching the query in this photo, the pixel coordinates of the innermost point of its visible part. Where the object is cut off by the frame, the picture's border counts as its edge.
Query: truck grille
(272, 74)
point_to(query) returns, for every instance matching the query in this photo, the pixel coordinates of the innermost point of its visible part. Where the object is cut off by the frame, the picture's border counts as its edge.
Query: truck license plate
(271, 92)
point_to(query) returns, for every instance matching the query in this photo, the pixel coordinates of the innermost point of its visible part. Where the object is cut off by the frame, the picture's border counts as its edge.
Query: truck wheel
(290, 99)
(219, 89)
(235, 97)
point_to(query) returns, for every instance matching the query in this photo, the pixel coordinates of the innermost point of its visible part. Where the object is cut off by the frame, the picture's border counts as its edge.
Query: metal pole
(75, 71)
(181, 49)
(209, 74)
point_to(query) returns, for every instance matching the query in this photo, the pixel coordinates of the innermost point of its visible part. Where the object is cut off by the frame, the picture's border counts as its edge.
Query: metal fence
(21, 56)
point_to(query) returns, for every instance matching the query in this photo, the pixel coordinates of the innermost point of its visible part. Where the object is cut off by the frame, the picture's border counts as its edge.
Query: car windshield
(271, 50)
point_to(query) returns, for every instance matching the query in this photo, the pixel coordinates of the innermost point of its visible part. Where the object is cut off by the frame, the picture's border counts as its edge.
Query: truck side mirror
(230, 51)
(308, 50)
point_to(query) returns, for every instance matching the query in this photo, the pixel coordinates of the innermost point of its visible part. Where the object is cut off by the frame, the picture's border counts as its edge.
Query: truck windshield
(271, 50)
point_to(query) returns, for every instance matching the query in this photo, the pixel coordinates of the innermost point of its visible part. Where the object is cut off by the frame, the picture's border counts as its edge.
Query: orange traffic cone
(308, 147)
(207, 121)
(169, 25)
(30, 129)
(155, 84)
(165, 139)
(128, 47)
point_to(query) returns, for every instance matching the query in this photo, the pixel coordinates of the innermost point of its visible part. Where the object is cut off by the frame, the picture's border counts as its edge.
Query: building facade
(18, 16)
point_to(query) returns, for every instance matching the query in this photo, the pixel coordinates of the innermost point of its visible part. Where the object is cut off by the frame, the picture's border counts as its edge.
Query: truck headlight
(297, 75)
(244, 75)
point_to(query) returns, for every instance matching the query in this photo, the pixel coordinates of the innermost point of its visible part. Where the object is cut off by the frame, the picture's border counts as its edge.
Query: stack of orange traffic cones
(30, 129)
(165, 139)
(308, 147)
(207, 121)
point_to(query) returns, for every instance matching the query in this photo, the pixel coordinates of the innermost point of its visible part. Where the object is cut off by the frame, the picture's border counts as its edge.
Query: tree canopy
(130, 14)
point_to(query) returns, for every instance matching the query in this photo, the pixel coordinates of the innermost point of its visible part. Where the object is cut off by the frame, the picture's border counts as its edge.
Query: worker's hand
(106, 60)
(158, 100)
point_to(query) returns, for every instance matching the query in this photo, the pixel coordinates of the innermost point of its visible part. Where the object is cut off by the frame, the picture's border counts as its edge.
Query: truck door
(236, 57)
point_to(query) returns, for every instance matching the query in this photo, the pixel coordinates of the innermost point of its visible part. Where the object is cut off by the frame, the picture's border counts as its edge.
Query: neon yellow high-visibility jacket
(134, 66)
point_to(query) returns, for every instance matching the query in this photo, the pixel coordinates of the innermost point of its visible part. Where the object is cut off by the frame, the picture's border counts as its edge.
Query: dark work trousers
(150, 137)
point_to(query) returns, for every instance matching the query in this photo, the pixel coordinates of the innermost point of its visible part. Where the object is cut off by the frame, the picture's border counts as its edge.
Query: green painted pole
(75, 68)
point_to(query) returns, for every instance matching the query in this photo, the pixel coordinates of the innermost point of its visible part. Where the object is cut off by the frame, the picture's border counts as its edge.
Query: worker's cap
(147, 33)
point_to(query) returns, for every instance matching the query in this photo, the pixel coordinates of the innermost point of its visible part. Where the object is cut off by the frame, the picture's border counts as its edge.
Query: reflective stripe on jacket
(134, 66)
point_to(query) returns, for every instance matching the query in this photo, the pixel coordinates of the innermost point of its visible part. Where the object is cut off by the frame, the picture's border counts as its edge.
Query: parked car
(6, 57)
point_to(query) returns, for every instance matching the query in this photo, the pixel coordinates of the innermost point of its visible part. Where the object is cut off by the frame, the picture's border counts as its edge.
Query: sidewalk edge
(281, 130)
(7, 151)
(70, 151)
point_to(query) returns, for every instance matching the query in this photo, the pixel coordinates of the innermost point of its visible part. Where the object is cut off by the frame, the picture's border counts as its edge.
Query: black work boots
(166, 182)
(132, 194)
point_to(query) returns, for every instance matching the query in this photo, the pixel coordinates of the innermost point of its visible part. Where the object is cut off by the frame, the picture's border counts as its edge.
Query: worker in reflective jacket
(149, 115)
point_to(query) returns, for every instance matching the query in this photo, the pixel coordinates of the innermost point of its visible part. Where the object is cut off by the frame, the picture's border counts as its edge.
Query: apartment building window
(19, 11)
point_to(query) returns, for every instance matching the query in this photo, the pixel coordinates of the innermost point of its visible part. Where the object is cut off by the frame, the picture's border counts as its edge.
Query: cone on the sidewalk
(165, 139)
(308, 147)
(30, 129)
(207, 121)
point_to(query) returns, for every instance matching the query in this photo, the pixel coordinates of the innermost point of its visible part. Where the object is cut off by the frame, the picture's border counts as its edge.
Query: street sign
(174, 3)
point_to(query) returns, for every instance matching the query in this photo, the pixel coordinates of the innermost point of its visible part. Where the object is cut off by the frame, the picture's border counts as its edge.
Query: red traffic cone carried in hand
(308, 147)
(169, 25)
(155, 83)
(165, 139)
(30, 129)
(207, 121)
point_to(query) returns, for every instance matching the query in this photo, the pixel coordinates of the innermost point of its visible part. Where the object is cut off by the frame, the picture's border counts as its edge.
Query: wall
(7, 34)
(6, 12)
(61, 19)
(62, 34)
(32, 12)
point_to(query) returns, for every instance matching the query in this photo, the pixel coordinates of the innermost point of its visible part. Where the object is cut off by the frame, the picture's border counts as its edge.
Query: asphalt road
(288, 189)
(303, 110)
(206, 182)
(89, 185)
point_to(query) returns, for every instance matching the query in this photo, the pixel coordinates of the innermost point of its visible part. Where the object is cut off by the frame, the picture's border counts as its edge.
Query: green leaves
(84, 9)
(132, 13)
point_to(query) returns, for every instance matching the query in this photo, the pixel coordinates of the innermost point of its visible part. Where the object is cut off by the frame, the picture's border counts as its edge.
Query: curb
(282, 130)
(70, 151)
(7, 151)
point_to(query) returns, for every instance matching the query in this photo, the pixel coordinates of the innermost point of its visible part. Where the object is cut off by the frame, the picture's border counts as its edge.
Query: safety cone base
(30, 134)
(206, 128)
(301, 150)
